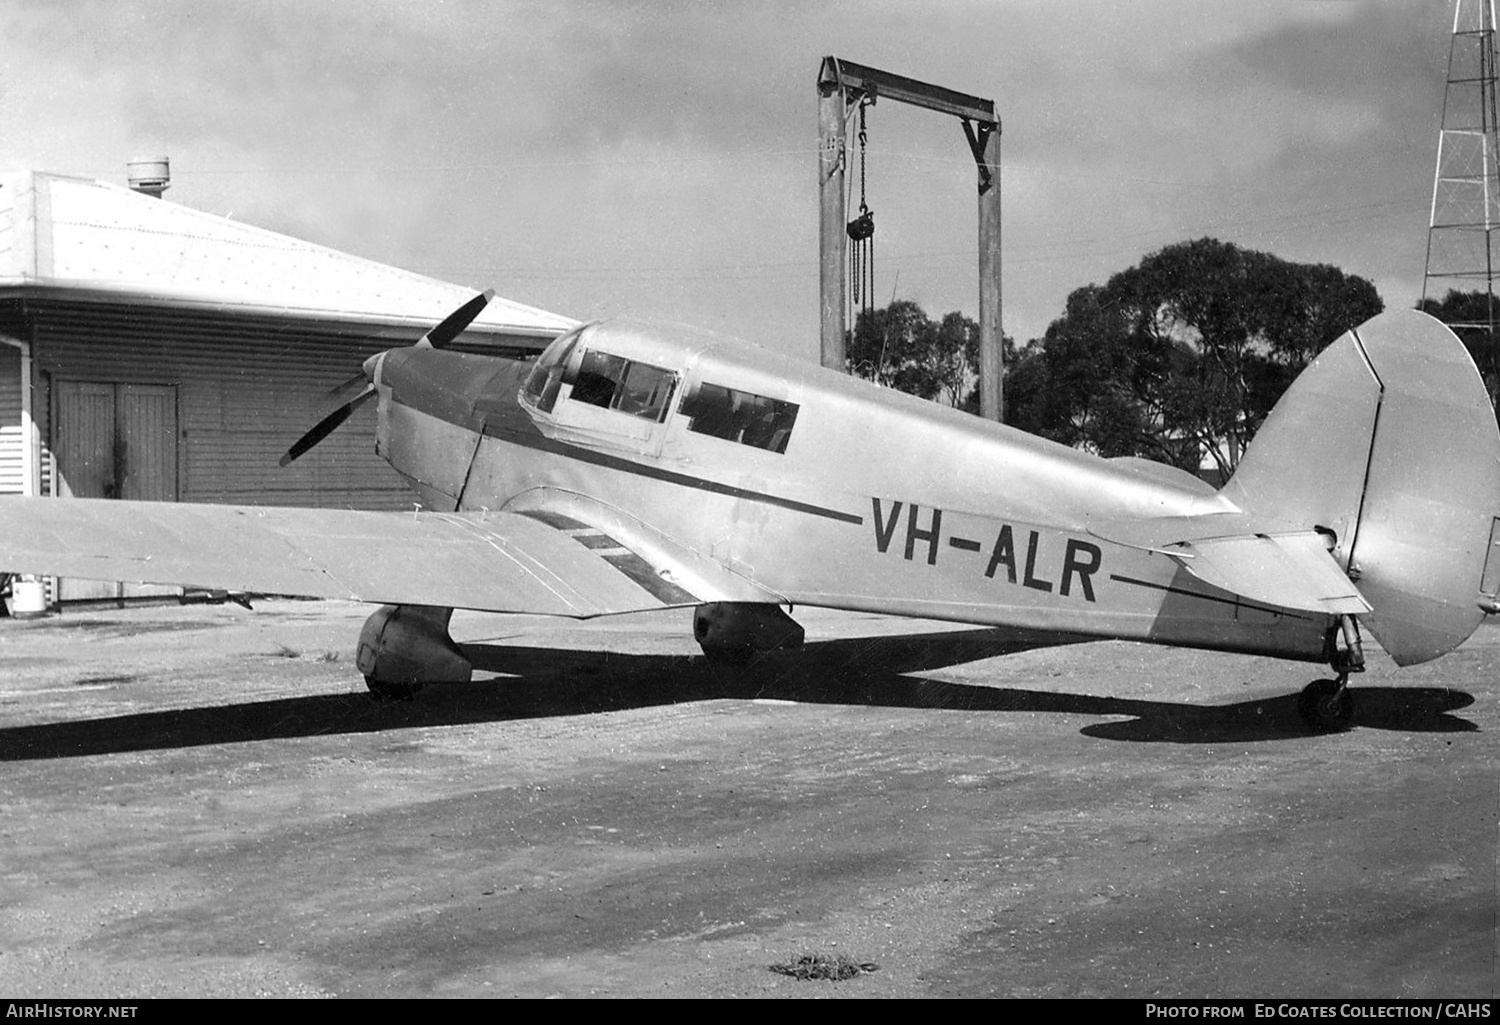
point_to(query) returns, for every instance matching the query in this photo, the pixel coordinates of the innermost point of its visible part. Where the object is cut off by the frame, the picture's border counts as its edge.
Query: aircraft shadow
(534, 682)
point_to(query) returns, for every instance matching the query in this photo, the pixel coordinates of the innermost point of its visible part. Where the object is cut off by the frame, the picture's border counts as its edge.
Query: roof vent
(150, 175)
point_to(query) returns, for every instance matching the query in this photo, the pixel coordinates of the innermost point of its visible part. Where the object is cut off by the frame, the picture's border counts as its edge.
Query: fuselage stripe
(583, 455)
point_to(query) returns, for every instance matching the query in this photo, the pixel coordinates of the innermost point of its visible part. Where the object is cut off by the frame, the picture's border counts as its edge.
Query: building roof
(96, 240)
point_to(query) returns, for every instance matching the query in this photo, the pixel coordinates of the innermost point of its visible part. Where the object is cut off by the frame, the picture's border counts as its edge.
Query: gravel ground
(203, 801)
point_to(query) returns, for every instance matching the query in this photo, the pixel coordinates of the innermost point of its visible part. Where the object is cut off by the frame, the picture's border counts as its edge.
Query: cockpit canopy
(641, 389)
(613, 382)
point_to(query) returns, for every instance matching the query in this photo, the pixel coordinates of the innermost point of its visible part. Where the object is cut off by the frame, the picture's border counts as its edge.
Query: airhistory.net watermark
(53, 1009)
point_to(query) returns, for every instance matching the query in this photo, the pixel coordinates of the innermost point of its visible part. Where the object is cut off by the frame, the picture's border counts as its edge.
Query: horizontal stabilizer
(1248, 556)
(1293, 571)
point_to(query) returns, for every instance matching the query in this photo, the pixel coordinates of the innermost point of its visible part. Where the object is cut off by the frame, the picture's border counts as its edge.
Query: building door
(114, 440)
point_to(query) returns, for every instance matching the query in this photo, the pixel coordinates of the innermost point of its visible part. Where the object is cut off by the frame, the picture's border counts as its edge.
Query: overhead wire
(1075, 248)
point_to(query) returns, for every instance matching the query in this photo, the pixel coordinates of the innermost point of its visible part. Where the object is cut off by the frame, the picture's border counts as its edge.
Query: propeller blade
(343, 388)
(454, 324)
(326, 426)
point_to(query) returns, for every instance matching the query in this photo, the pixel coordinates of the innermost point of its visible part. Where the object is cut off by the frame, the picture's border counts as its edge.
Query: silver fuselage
(873, 500)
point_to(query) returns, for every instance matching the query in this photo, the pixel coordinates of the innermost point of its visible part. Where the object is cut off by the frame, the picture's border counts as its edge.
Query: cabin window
(740, 417)
(613, 382)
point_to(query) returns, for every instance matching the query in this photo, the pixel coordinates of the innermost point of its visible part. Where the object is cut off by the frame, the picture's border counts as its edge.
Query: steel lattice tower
(1461, 234)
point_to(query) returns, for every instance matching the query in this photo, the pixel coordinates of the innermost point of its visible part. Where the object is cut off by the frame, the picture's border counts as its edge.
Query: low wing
(1254, 559)
(496, 562)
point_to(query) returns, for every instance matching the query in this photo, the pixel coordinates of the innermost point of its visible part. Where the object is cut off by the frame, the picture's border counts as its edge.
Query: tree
(900, 347)
(1181, 357)
(1080, 384)
(954, 357)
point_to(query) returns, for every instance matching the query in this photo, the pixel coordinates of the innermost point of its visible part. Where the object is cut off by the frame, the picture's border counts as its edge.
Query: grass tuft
(830, 968)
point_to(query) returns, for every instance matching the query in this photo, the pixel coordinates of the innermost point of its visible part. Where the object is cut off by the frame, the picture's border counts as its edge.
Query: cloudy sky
(659, 158)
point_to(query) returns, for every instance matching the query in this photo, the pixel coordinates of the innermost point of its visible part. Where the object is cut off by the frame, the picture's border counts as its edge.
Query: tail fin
(1389, 441)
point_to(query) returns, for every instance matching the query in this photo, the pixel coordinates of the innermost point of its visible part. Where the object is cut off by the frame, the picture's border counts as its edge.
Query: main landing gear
(733, 633)
(1326, 705)
(404, 647)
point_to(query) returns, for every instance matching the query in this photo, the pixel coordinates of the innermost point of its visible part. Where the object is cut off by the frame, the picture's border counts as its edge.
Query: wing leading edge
(491, 561)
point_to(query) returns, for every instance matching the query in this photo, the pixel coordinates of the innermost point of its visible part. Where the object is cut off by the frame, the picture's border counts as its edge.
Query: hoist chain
(863, 141)
(862, 235)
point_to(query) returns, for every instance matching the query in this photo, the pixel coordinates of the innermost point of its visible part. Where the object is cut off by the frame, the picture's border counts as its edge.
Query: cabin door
(114, 440)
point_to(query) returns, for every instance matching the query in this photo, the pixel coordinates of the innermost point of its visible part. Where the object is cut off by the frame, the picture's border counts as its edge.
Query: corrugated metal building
(152, 351)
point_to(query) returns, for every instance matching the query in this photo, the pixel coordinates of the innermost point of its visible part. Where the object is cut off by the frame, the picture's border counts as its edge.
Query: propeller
(438, 337)
(326, 426)
(454, 323)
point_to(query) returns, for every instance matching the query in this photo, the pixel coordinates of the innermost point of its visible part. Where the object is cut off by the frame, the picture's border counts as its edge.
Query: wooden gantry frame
(842, 86)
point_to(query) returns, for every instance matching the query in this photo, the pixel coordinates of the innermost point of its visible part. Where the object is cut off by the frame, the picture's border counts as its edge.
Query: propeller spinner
(437, 338)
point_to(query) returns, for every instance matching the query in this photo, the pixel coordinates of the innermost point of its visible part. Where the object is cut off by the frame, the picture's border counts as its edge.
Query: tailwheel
(1326, 705)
